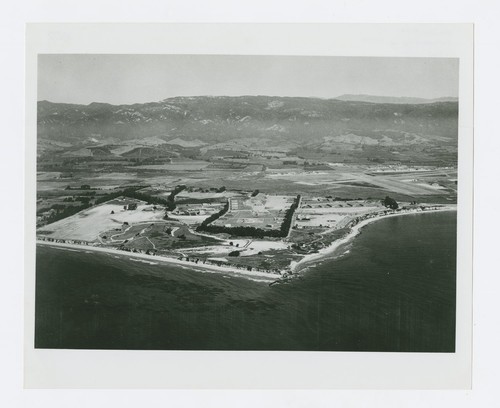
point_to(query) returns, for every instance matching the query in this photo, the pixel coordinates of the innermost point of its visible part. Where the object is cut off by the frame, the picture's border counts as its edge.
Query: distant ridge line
(342, 98)
(393, 99)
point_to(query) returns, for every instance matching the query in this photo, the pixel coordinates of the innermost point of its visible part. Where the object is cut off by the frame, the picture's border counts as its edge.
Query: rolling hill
(212, 120)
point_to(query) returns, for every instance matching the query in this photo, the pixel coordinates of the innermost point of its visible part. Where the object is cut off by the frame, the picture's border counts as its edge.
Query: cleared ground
(244, 247)
(401, 180)
(88, 224)
(327, 213)
(199, 195)
(262, 211)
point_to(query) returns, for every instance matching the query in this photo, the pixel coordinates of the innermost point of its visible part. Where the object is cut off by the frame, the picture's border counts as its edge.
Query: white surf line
(189, 265)
(322, 253)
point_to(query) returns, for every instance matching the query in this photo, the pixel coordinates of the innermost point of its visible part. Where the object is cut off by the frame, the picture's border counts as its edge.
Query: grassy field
(158, 236)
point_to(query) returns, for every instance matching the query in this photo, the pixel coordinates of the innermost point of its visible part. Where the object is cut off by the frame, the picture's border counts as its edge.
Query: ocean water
(390, 289)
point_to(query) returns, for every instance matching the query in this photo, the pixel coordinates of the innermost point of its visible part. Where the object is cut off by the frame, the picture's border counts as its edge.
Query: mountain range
(278, 120)
(392, 99)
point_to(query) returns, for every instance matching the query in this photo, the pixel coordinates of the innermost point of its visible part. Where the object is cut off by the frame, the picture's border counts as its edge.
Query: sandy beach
(254, 275)
(322, 253)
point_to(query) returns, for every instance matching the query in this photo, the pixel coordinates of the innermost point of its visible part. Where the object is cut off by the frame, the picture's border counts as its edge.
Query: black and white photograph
(246, 202)
(254, 206)
(249, 204)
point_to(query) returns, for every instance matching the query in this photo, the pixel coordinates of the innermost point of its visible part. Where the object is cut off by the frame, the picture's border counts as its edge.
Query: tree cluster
(170, 204)
(63, 211)
(250, 231)
(390, 203)
(146, 197)
(213, 217)
(128, 192)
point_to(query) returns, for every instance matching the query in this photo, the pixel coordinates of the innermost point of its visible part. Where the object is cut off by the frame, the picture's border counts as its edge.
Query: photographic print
(246, 202)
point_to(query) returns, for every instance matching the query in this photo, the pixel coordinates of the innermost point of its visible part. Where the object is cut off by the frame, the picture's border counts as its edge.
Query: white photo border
(256, 370)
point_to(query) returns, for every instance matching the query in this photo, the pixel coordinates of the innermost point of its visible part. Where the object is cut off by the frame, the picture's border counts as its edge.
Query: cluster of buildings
(197, 209)
(222, 263)
(66, 241)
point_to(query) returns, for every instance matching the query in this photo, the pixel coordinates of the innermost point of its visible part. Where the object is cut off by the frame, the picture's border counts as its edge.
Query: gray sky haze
(128, 79)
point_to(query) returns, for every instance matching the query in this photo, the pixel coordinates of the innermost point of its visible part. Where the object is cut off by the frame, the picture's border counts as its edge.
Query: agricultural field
(370, 181)
(205, 194)
(258, 190)
(180, 166)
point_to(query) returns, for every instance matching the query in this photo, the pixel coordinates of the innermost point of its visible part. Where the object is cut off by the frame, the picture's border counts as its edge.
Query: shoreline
(324, 252)
(158, 258)
(293, 268)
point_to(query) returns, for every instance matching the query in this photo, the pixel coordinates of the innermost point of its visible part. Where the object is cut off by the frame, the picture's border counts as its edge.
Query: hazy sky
(126, 79)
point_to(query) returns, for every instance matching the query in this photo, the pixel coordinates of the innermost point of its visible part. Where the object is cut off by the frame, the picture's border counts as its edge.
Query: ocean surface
(392, 288)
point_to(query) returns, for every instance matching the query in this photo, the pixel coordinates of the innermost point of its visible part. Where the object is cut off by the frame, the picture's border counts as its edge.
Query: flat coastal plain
(241, 223)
